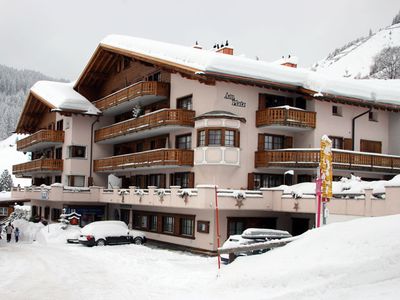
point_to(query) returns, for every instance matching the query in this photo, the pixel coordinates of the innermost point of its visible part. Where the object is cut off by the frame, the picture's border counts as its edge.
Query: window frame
(205, 133)
(187, 144)
(5, 211)
(70, 151)
(185, 102)
(339, 111)
(274, 138)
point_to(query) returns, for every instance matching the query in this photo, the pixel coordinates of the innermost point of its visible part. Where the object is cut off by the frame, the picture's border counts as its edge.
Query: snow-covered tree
(6, 181)
(396, 19)
(64, 222)
(387, 64)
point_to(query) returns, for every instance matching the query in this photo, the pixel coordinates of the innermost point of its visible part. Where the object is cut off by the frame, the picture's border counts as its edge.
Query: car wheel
(101, 242)
(138, 241)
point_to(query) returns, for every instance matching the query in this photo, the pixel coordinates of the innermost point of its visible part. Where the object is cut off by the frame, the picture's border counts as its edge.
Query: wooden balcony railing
(341, 159)
(158, 157)
(179, 117)
(285, 117)
(39, 165)
(133, 91)
(42, 136)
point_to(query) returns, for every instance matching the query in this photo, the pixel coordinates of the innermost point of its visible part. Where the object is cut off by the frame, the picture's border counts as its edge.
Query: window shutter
(288, 142)
(347, 144)
(237, 140)
(250, 181)
(191, 180)
(261, 138)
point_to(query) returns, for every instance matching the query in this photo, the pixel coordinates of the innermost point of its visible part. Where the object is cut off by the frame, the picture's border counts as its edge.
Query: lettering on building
(235, 102)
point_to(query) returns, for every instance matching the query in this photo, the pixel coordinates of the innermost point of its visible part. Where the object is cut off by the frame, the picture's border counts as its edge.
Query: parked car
(103, 233)
(252, 236)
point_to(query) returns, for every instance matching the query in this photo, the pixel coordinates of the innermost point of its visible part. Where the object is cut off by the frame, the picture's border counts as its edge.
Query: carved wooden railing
(180, 117)
(158, 157)
(39, 165)
(42, 136)
(133, 91)
(285, 117)
(341, 159)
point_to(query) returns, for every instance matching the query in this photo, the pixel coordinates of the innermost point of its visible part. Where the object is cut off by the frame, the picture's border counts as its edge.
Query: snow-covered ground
(359, 259)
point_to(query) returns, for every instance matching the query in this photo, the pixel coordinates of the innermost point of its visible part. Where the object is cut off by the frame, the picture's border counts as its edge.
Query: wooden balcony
(152, 158)
(45, 165)
(152, 89)
(41, 139)
(341, 159)
(294, 118)
(165, 118)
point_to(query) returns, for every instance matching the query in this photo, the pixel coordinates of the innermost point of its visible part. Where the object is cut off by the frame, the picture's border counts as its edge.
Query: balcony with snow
(40, 140)
(299, 158)
(151, 124)
(284, 112)
(143, 93)
(155, 159)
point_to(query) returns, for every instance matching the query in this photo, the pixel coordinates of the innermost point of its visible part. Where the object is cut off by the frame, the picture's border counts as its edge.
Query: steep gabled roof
(51, 96)
(210, 64)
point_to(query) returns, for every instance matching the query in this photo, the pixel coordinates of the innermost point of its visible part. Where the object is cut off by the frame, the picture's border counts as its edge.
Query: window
(236, 227)
(154, 77)
(59, 125)
(218, 137)
(184, 141)
(337, 110)
(153, 223)
(373, 116)
(58, 153)
(272, 142)
(139, 147)
(3, 211)
(182, 179)
(203, 226)
(168, 224)
(57, 178)
(75, 180)
(184, 102)
(229, 138)
(214, 137)
(55, 214)
(267, 180)
(186, 226)
(77, 151)
(337, 142)
(143, 222)
(202, 138)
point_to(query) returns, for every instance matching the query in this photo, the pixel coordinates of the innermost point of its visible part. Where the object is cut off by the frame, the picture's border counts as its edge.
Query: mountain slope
(355, 59)
(14, 86)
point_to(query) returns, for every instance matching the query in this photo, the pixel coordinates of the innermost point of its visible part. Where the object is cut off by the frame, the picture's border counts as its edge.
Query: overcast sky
(58, 37)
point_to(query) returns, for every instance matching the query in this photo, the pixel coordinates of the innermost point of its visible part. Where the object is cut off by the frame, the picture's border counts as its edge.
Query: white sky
(58, 37)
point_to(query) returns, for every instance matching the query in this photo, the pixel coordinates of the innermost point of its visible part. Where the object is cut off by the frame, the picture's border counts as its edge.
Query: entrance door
(125, 216)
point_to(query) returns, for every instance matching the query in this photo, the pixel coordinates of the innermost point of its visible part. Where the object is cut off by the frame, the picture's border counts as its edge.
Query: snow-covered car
(252, 236)
(73, 235)
(103, 233)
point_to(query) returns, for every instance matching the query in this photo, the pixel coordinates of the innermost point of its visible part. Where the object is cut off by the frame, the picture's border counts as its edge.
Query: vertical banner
(325, 165)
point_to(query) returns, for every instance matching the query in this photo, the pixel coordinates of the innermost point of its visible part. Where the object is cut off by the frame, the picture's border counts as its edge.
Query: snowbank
(53, 234)
(28, 230)
(359, 259)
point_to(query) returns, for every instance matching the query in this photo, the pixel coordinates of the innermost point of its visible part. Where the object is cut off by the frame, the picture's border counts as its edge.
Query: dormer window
(337, 110)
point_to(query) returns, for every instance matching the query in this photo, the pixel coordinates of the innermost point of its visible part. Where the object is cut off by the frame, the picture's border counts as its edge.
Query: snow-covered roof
(208, 62)
(61, 96)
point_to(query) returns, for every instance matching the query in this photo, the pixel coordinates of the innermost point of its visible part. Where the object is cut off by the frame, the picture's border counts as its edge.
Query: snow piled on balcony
(345, 187)
(62, 97)
(211, 62)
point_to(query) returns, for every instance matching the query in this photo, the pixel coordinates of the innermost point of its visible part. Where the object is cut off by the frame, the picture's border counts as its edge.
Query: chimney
(290, 61)
(225, 48)
(197, 46)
